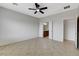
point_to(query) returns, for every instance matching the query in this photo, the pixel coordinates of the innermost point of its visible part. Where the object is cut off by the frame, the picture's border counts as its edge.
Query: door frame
(50, 29)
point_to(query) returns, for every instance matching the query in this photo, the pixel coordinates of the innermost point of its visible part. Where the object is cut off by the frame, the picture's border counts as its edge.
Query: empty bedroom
(39, 29)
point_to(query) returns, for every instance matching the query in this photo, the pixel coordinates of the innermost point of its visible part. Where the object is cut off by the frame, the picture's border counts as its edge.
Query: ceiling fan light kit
(37, 10)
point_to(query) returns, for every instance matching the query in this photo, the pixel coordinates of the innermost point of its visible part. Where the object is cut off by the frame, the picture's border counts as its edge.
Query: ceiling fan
(38, 9)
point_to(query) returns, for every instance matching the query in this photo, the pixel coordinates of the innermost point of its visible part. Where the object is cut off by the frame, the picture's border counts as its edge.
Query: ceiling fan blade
(43, 8)
(35, 12)
(31, 9)
(37, 5)
(42, 12)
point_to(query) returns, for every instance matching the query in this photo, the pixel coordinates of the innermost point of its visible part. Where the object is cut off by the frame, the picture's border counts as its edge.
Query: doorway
(46, 30)
(69, 30)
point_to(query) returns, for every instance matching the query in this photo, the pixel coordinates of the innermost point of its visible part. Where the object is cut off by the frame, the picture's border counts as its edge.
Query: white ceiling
(53, 8)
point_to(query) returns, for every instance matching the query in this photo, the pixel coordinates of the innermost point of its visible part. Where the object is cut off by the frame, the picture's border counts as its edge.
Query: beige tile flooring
(40, 47)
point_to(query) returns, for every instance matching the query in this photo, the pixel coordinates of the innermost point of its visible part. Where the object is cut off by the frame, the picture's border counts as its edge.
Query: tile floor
(40, 47)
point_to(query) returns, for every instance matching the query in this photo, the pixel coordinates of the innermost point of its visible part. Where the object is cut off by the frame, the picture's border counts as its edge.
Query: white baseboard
(11, 41)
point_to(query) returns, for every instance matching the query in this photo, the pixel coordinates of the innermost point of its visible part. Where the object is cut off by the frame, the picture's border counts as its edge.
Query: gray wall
(16, 27)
